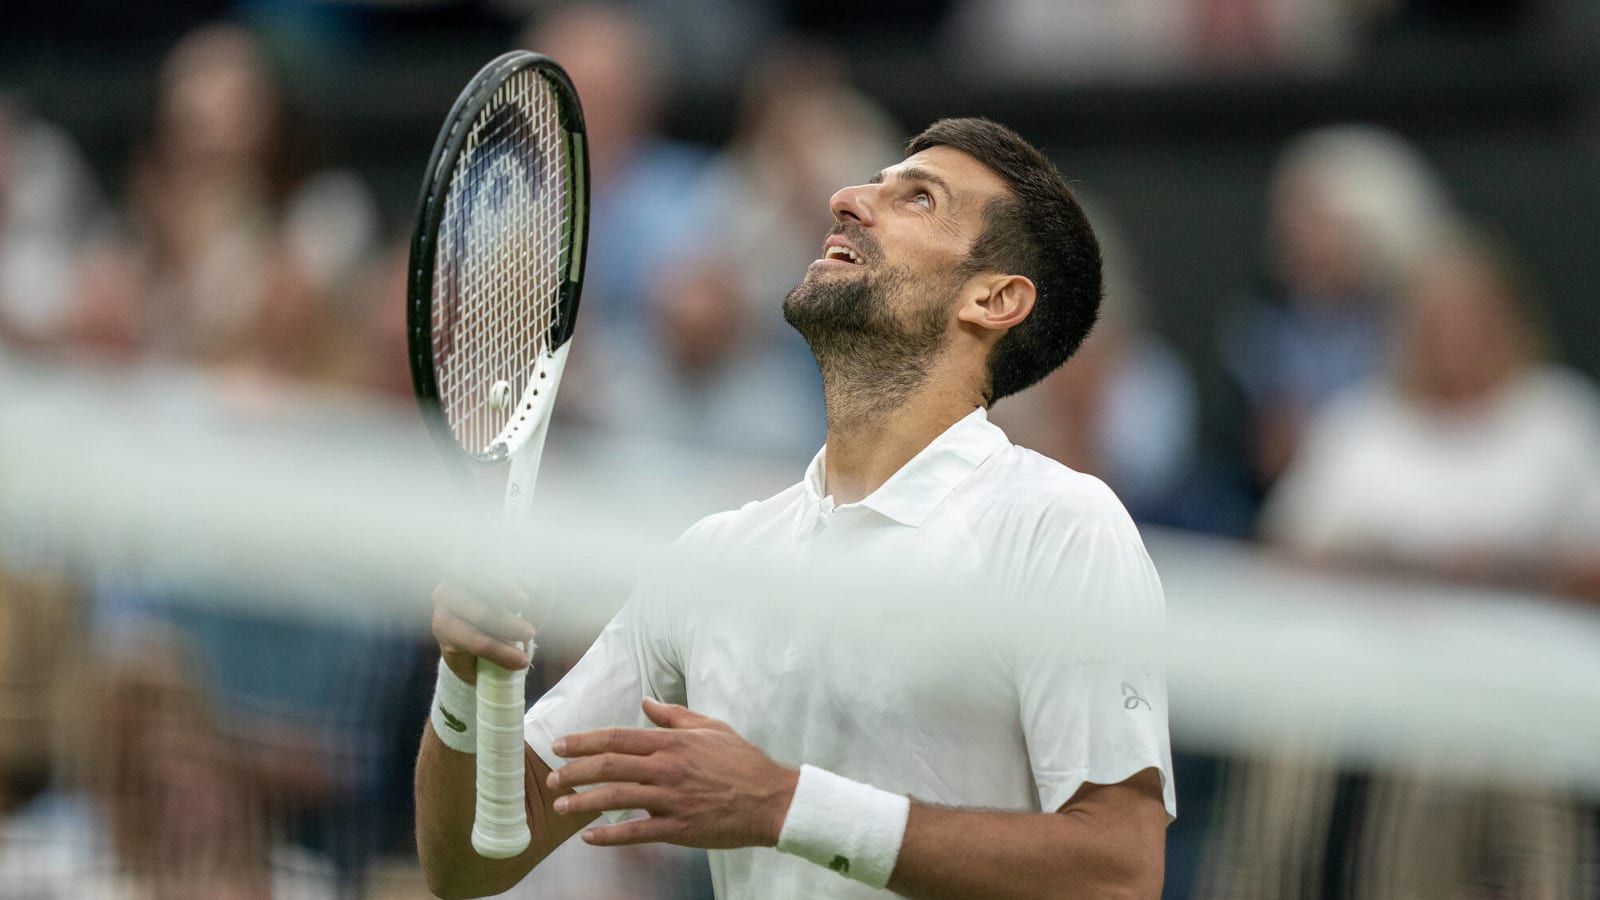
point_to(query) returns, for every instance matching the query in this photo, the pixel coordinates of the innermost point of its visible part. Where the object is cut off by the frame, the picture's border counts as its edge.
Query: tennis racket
(496, 267)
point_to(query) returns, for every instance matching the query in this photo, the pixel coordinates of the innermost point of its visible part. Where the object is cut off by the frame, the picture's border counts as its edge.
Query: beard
(871, 355)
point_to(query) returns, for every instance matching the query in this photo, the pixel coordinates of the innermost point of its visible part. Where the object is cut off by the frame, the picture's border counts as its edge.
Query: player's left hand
(702, 784)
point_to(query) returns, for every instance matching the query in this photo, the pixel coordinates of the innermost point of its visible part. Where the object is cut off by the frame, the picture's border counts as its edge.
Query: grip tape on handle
(500, 823)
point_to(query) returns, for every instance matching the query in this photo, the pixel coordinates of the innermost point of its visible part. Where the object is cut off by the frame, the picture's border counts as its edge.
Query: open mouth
(841, 253)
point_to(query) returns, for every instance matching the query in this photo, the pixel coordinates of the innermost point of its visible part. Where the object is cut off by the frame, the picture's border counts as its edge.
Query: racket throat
(524, 436)
(524, 473)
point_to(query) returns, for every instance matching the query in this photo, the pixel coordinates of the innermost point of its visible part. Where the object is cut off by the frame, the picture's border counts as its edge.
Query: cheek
(912, 295)
(922, 241)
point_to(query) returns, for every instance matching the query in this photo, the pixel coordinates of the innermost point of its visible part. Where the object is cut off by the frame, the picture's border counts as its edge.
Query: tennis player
(811, 762)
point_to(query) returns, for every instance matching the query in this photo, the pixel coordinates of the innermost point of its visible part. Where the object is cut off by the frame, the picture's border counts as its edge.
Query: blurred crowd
(1394, 405)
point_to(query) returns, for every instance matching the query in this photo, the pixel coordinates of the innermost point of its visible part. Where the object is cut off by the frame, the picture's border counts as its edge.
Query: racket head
(497, 256)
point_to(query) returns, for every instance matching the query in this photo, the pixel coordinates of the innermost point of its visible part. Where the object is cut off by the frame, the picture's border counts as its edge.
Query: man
(783, 742)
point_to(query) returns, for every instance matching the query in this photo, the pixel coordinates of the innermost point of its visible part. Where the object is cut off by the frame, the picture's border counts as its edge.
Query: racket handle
(500, 823)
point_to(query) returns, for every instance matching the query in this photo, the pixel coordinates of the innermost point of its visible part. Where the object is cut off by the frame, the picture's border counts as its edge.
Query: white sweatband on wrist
(852, 828)
(455, 711)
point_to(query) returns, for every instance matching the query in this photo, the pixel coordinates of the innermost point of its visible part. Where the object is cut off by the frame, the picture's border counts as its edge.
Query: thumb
(671, 715)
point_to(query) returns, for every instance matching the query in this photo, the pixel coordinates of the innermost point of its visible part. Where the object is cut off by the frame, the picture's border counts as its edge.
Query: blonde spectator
(1471, 457)
(1351, 207)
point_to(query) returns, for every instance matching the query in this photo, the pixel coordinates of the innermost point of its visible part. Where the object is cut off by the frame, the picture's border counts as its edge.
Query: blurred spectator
(643, 198)
(240, 264)
(1467, 458)
(1124, 407)
(711, 41)
(1436, 838)
(1351, 206)
(1048, 41)
(243, 247)
(49, 204)
(382, 355)
(1266, 35)
(39, 618)
(155, 802)
(107, 320)
(1040, 40)
(1470, 458)
(311, 704)
(723, 370)
(804, 131)
(711, 379)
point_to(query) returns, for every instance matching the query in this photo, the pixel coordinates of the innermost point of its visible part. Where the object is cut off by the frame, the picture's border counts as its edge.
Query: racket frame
(500, 827)
(425, 244)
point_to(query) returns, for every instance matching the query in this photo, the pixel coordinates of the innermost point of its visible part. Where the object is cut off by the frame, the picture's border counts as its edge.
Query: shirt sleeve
(633, 658)
(1092, 710)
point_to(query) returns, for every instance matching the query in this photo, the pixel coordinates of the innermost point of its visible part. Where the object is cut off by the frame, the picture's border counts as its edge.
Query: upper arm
(1133, 803)
(1130, 817)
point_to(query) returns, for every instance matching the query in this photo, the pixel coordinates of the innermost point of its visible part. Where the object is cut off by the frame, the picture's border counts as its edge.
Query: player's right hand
(468, 627)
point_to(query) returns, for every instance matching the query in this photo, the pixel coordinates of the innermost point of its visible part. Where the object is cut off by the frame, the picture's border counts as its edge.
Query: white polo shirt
(964, 717)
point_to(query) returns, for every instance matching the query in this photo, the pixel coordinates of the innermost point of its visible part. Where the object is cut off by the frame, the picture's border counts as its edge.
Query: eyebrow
(918, 174)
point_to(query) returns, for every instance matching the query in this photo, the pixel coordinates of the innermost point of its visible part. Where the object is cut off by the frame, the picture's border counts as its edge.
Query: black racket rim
(430, 211)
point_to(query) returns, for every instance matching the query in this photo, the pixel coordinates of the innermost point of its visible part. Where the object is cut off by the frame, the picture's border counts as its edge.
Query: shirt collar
(912, 494)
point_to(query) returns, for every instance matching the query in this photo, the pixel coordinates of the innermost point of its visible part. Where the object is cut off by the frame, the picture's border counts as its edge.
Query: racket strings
(504, 244)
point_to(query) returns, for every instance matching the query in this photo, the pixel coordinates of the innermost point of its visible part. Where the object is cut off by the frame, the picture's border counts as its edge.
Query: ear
(996, 302)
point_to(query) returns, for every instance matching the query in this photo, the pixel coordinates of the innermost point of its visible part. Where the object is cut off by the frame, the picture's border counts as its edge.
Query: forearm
(958, 853)
(1109, 841)
(446, 799)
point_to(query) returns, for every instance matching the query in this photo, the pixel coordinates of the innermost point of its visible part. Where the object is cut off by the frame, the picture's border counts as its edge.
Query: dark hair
(1037, 230)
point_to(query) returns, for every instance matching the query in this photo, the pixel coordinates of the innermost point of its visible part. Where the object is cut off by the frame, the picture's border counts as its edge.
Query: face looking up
(892, 267)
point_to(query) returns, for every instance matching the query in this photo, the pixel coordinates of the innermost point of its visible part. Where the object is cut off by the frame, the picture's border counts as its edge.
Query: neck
(875, 428)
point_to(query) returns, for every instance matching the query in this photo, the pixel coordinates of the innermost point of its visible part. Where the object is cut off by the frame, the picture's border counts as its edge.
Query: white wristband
(852, 828)
(455, 711)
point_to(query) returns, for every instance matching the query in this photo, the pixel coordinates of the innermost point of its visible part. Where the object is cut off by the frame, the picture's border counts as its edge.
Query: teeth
(838, 251)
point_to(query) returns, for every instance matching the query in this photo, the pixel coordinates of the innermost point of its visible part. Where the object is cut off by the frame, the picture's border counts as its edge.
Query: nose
(853, 204)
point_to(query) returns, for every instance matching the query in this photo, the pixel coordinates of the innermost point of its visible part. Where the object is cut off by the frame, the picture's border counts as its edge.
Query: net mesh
(215, 665)
(503, 243)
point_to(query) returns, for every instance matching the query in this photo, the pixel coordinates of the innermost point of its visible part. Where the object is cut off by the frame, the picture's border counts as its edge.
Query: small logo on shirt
(1131, 698)
(460, 727)
(840, 865)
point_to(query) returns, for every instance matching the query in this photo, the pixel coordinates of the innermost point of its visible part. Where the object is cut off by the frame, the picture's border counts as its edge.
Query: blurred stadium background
(1346, 378)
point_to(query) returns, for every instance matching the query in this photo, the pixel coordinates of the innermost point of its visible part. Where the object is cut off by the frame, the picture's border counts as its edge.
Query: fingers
(633, 741)
(671, 715)
(501, 622)
(456, 637)
(464, 624)
(606, 767)
(611, 797)
(633, 831)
